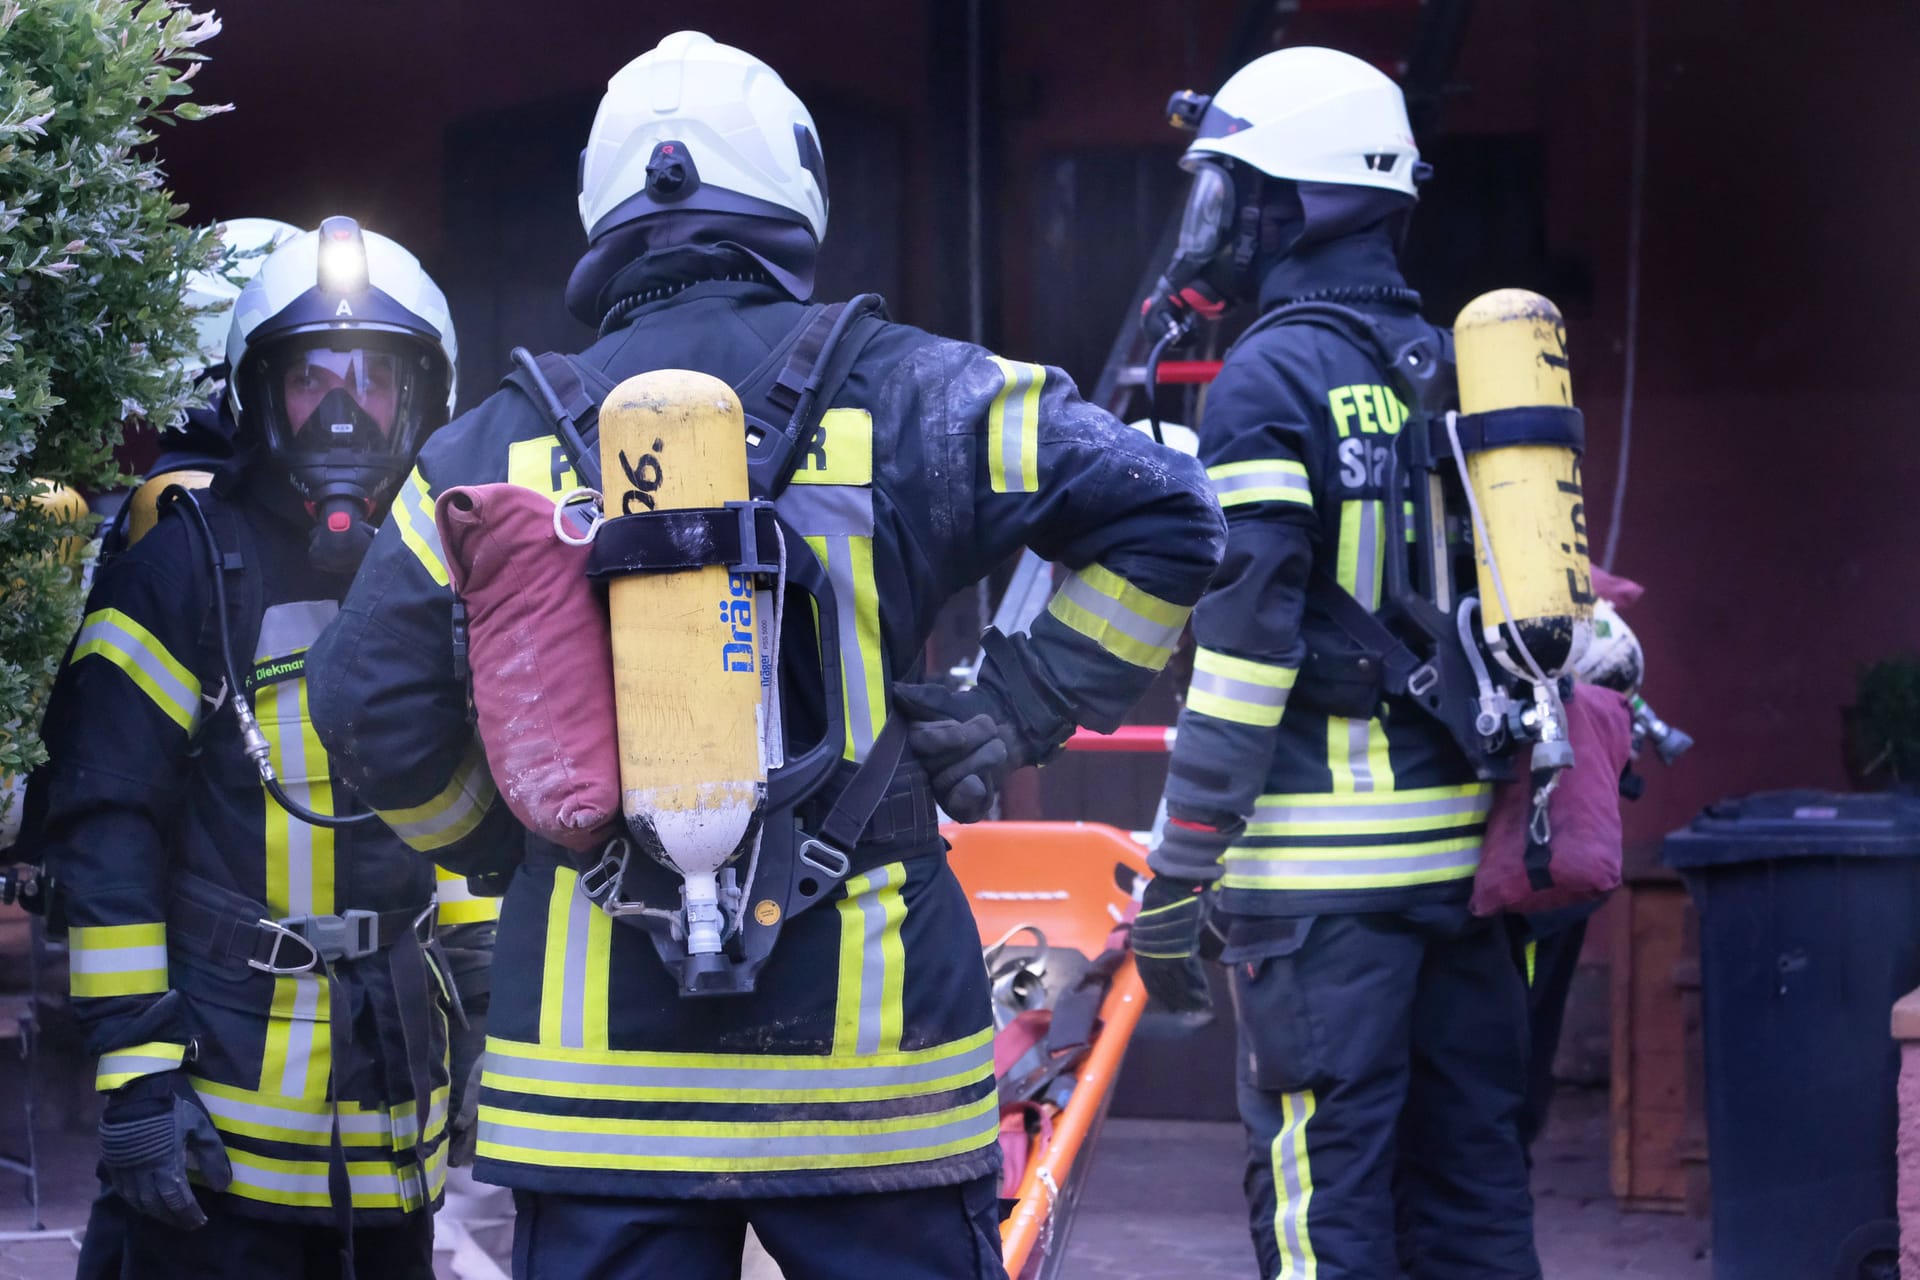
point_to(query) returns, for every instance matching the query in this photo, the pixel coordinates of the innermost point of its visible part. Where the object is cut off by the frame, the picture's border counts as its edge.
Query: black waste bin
(1809, 931)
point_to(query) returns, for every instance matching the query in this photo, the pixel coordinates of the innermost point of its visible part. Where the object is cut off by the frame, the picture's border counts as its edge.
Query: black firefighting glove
(965, 742)
(152, 1132)
(970, 740)
(1167, 941)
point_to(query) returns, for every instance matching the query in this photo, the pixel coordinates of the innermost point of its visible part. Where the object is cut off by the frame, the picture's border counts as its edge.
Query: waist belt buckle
(352, 934)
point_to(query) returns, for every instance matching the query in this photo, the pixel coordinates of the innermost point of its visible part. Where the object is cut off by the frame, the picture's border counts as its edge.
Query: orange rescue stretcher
(1065, 880)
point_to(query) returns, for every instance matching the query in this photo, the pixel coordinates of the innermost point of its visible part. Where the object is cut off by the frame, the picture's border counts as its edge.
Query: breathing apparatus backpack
(716, 945)
(1421, 642)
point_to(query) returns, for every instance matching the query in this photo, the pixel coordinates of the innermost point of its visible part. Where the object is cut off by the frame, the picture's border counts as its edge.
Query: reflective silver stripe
(453, 813)
(124, 646)
(1260, 695)
(413, 512)
(1225, 486)
(573, 1001)
(1465, 807)
(827, 510)
(1293, 1183)
(1155, 635)
(1011, 404)
(315, 1124)
(760, 1142)
(307, 991)
(853, 656)
(1358, 740)
(873, 964)
(92, 960)
(969, 1061)
(139, 1064)
(286, 629)
(406, 1120)
(296, 770)
(1303, 866)
(1367, 556)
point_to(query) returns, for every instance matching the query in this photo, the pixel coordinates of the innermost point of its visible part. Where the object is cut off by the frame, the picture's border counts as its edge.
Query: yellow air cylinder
(686, 650)
(143, 508)
(1511, 348)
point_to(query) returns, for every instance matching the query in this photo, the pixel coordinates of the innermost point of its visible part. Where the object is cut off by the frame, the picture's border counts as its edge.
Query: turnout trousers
(124, 1245)
(932, 1233)
(1383, 1064)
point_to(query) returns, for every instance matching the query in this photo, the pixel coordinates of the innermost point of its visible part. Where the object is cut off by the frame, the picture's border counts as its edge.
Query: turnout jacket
(863, 1060)
(1319, 812)
(168, 852)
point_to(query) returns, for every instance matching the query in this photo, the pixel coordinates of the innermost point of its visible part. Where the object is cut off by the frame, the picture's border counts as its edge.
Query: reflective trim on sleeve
(1132, 625)
(1013, 429)
(622, 1075)
(122, 1066)
(117, 960)
(1262, 480)
(573, 983)
(872, 963)
(1239, 689)
(457, 904)
(451, 815)
(113, 635)
(707, 1146)
(413, 514)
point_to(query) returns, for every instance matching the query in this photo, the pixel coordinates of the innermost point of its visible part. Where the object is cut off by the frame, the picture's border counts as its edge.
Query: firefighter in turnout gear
(844, 1108)
(1326, 834)
(252, 953)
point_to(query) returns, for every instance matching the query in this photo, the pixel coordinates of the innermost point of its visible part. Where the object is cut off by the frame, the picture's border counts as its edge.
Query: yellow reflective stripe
(1357, 755)
(840, 451)
(545, 1070)
(848, 561)
(1239, 689)
(1360, 560)
(303, 1121)
(1261, 480)
(541, 465)
(573, 981)
(867, 1014)
(1381, 866)
(707, 1146)
(1133, 625)
(117, 960)
(1532, 954)
(458, 904)
(300, 857)
(303, 1183)
(413, 515)
(451, 815)
(1293, 1188)
(1371, 813)
(121, 1066)
(1013, 429)
(115, 636)
(299, 1045)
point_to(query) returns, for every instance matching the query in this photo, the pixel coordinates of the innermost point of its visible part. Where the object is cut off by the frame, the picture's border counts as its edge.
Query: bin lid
(1797, 824)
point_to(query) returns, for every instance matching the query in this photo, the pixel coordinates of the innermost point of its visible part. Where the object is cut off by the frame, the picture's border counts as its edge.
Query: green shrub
(93, 330)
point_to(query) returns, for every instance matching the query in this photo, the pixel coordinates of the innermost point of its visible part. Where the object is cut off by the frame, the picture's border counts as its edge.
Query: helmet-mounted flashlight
(1185, 109)
(343, 257)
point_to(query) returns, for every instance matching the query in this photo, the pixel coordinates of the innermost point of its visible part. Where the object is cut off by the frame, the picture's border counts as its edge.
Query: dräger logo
(737, 614)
